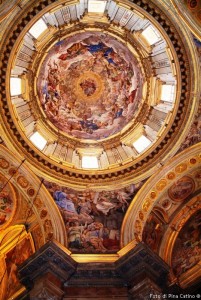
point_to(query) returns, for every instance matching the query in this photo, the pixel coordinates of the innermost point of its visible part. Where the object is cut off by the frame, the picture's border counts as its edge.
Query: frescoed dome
(90, 85)
(100, 165)
(92, 100)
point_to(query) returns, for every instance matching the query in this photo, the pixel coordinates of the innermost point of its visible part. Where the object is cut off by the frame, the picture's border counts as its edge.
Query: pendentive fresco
(93, 219)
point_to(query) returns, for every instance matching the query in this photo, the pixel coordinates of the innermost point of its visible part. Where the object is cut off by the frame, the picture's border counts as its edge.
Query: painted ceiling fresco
(153, 232)
(90, 85)
(187, 249)
(93, 219)
(13, 258)
(194, 135)
(7, 201)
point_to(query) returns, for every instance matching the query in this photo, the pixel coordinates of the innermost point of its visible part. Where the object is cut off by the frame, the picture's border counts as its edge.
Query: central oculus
(90, 85)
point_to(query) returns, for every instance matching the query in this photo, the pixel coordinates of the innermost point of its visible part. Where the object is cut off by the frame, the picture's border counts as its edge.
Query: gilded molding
(137, 168)
(149, 195)
(39, 200)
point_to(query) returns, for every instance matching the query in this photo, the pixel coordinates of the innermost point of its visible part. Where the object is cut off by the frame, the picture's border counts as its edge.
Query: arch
(10, 234)
(189, 272)
(145, 200)
(36, 195)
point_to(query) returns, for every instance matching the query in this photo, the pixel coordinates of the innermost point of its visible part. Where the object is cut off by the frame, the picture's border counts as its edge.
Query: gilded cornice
(32, 74)
(7, 8)
(35, 194)
(143, 203)
(187, 16)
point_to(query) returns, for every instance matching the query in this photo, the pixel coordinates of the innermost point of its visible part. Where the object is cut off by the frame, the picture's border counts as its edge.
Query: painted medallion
(181, 189)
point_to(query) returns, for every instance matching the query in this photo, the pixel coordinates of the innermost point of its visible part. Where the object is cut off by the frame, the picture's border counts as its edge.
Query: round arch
(145, 200)
(35, 194)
